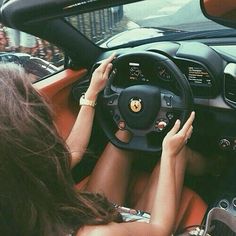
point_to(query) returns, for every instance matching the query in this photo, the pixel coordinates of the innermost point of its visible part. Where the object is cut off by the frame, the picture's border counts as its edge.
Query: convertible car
(172, 57)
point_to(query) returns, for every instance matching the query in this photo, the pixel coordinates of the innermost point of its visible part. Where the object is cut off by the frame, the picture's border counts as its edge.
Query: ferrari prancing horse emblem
(135, 105)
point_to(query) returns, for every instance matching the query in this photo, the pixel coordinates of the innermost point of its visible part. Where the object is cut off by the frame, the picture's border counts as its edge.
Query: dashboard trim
(230, 70)
(217, 102)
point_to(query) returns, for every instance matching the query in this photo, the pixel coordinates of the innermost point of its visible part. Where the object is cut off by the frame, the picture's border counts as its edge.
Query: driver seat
(192, 207)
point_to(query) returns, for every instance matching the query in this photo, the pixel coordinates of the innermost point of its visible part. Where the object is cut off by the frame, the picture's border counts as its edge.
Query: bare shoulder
(103, 230)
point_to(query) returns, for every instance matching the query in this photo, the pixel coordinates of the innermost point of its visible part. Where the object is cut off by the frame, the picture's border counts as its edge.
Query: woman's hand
(99, 78)
(175, 139)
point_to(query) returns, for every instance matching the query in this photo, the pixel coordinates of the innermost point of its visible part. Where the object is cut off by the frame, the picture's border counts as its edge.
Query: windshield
(149, 19)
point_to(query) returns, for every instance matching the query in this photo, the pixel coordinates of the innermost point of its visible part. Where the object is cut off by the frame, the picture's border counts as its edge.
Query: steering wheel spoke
(111, 101)
(171, 101)
(170, 109)
(139, 141)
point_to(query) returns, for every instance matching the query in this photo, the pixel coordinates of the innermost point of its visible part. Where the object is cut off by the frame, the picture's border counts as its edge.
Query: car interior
(164, 78)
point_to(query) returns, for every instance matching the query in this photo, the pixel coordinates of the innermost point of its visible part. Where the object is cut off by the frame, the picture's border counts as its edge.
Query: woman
(37, 190)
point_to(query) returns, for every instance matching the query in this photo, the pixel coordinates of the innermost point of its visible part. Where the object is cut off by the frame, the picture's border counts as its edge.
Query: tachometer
(164, 73)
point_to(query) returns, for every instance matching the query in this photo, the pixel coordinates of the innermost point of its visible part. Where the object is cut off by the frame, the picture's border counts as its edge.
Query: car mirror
(222, 12)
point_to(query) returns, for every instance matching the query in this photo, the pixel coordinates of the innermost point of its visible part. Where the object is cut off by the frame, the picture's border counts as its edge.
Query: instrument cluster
(136, 72)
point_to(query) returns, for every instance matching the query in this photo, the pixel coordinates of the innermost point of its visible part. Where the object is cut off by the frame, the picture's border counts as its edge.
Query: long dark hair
(37, 195)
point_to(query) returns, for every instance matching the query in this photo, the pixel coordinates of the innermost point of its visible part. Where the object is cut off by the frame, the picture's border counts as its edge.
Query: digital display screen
(135, 72)
(198, 75)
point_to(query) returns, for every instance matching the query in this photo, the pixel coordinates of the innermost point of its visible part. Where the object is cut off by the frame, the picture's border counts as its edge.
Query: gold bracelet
(86, 102)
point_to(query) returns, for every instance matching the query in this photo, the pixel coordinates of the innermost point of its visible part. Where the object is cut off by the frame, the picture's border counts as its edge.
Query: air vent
(230, 84)
(230, 88)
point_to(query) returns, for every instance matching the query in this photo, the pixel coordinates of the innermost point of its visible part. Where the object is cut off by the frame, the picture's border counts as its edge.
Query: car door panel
(56, 90)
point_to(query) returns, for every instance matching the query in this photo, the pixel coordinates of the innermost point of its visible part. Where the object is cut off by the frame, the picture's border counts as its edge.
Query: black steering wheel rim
(111, 104)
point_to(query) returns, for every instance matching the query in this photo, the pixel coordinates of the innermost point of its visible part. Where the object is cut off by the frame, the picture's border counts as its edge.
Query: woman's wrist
(167, 154)
(91, 95)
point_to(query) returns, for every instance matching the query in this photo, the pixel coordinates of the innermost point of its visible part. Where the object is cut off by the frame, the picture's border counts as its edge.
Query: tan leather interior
(56, 90)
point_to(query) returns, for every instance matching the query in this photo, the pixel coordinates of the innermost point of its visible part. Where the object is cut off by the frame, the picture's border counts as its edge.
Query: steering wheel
(149, 105)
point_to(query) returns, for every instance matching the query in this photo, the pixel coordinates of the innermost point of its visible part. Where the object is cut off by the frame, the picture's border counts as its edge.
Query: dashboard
(211, 73)
(201, 65)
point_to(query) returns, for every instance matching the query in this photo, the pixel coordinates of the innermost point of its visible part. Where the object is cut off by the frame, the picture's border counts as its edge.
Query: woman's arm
(79, 136)
(166, 202)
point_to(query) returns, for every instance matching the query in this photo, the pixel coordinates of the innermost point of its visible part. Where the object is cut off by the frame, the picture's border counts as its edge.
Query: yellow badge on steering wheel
(135, 105)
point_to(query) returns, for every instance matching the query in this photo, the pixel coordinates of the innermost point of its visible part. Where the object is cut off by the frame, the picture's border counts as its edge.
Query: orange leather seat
(192, 207)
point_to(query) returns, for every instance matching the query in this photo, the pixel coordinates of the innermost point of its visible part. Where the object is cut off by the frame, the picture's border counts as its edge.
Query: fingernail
(177, 121)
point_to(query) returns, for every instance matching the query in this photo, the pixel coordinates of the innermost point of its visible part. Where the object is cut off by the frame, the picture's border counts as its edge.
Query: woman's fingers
(106, 62)
(188, 123)
(107, 70)
(186, 128)
(189, 132)
(175, 128)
